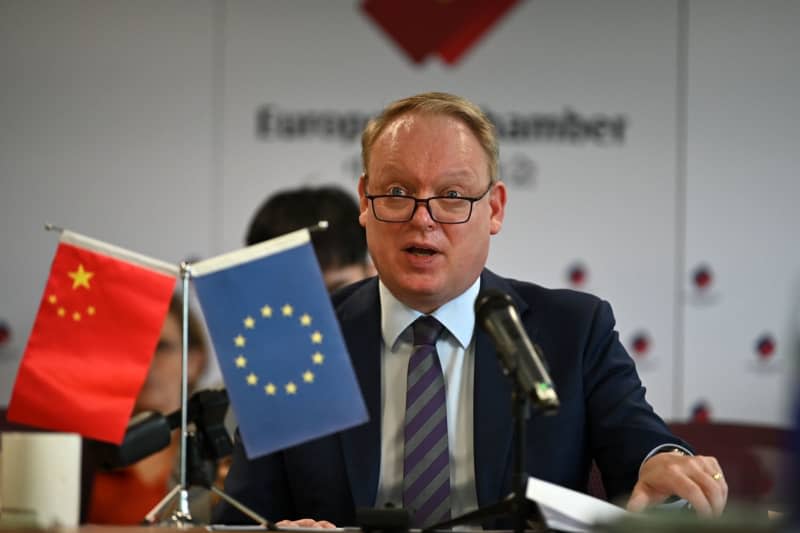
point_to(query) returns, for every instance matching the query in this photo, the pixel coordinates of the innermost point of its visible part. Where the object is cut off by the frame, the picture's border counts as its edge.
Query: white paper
(568, 510)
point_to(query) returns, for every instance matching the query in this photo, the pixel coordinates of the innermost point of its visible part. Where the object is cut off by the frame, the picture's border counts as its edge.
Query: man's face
(422, 262)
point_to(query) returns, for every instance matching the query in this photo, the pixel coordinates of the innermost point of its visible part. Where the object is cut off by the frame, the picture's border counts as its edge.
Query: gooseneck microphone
(496, 314)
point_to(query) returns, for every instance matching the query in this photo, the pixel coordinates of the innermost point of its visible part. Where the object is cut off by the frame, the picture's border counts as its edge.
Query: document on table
(568, 510)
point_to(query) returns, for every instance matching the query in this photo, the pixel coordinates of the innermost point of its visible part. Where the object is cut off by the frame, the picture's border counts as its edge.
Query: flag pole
(182, 515)
(52, 227)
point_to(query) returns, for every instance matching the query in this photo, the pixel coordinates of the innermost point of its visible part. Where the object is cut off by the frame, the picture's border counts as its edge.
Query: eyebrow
(452, 176)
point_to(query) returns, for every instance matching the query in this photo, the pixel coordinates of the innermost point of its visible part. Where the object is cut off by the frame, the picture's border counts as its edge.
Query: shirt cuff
(665, 448)
(673, 502)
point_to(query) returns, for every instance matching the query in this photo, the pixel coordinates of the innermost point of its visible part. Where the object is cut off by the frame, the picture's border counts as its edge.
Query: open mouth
(420, 251)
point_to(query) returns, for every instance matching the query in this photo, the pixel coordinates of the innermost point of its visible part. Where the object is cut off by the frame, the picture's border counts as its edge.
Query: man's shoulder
(542, 298)
(354, 291)
(355, 297)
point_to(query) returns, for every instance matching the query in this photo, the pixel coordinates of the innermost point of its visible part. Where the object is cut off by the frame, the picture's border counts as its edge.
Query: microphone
(149, 432)
(496, 314)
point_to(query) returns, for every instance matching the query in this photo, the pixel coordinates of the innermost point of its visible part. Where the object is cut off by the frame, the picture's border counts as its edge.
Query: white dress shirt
(457, 356)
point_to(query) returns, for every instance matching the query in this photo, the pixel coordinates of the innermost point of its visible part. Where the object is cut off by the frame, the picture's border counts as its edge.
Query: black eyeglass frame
(426, 201)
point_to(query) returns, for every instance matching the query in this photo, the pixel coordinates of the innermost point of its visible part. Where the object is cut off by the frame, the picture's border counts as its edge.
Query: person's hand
(697, 479)
(306, 522)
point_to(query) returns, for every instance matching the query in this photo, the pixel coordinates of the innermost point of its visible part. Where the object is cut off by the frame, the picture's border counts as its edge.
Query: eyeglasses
(442, 209)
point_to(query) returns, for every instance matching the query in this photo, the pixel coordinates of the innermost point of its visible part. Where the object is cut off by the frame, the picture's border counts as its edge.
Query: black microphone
(149, 431)
(496, 314)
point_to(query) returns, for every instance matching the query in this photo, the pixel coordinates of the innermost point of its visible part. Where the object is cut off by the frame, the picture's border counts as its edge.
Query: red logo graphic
(703, 277)
(577, 275)
(446, 27)
(640, 344)
(5, 332)
(701, 413)
(765, 346)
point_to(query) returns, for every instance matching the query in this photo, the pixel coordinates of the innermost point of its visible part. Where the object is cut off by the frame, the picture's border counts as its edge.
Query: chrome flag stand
(181, 516)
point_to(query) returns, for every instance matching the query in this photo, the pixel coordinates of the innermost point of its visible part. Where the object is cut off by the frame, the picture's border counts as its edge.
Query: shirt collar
(457, 315)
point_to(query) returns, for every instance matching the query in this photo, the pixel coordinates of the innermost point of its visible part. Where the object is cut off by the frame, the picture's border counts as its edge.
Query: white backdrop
(137, 123)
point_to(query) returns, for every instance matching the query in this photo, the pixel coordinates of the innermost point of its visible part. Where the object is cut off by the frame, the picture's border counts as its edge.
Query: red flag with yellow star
(94, 336)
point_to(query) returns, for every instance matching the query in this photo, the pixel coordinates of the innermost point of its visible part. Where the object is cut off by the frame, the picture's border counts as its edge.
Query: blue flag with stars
(279, 346)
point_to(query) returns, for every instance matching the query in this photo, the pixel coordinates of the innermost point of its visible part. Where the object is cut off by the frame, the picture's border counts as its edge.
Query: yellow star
(316, 337)
(318, 358)
(266, 311)
(249, 322)
(305, 320)
(91, 310)
(241, 361)
(239, 341)
(291, 388)
(270, 389)
(80, 278)
(287, 310)
(76, 316)
(52, 299)
(308, 376)
(252, 379)
(62, 311)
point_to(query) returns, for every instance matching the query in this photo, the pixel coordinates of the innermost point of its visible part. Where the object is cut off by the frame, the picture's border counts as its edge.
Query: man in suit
(439, 439)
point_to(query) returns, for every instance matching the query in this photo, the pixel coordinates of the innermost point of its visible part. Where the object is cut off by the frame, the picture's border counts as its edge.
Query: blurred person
(439, 438)
(126, 495)
(341, 249)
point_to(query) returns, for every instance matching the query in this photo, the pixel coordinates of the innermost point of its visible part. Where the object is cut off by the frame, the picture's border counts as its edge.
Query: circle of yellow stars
(80, 280)
(317, 358)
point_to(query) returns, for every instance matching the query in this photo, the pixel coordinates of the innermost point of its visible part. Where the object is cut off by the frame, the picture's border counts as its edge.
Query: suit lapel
(493, 426)
(359, 317)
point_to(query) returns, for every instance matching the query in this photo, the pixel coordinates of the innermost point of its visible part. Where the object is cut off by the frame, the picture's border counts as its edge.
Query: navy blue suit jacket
(603, 414)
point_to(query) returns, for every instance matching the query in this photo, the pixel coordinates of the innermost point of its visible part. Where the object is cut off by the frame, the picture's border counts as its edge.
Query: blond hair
(436, 103)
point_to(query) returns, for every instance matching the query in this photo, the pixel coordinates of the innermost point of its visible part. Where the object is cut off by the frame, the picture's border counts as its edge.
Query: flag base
(181, 518)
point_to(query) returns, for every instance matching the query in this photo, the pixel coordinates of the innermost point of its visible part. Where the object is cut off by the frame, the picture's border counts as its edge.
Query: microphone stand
(516, 506)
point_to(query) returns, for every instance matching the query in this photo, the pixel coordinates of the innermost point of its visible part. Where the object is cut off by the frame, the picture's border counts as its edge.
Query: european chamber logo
(702, 289)
(764, 356)
(701, 412)
(640, 345)
(448, 29)
(577, 275)
(5, 332)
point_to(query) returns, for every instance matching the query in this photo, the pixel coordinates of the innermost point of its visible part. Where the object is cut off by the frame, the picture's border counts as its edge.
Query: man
(341, 249)
(430, 201)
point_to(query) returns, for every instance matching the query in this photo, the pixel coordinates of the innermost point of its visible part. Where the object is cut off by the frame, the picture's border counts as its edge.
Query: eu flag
(279, 346)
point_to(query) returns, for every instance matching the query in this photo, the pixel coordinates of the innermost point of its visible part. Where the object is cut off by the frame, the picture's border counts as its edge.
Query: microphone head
(491, 300)
(147, 433)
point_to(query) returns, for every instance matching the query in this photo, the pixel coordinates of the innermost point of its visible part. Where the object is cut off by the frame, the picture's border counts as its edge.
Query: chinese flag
(94, 336)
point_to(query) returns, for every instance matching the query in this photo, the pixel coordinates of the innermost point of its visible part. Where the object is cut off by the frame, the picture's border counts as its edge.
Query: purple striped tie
(426, 468)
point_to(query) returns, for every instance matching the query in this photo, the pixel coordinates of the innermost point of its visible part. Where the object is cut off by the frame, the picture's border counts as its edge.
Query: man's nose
(422, 213)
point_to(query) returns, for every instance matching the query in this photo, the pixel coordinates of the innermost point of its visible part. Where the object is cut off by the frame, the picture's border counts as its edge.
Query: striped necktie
(426, 466)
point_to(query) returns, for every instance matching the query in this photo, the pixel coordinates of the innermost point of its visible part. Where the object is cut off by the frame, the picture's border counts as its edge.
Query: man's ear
(363, 203)
(497, 204)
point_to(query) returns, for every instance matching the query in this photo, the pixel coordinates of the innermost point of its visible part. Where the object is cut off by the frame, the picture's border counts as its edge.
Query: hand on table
(697, 479)
(306, 522)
